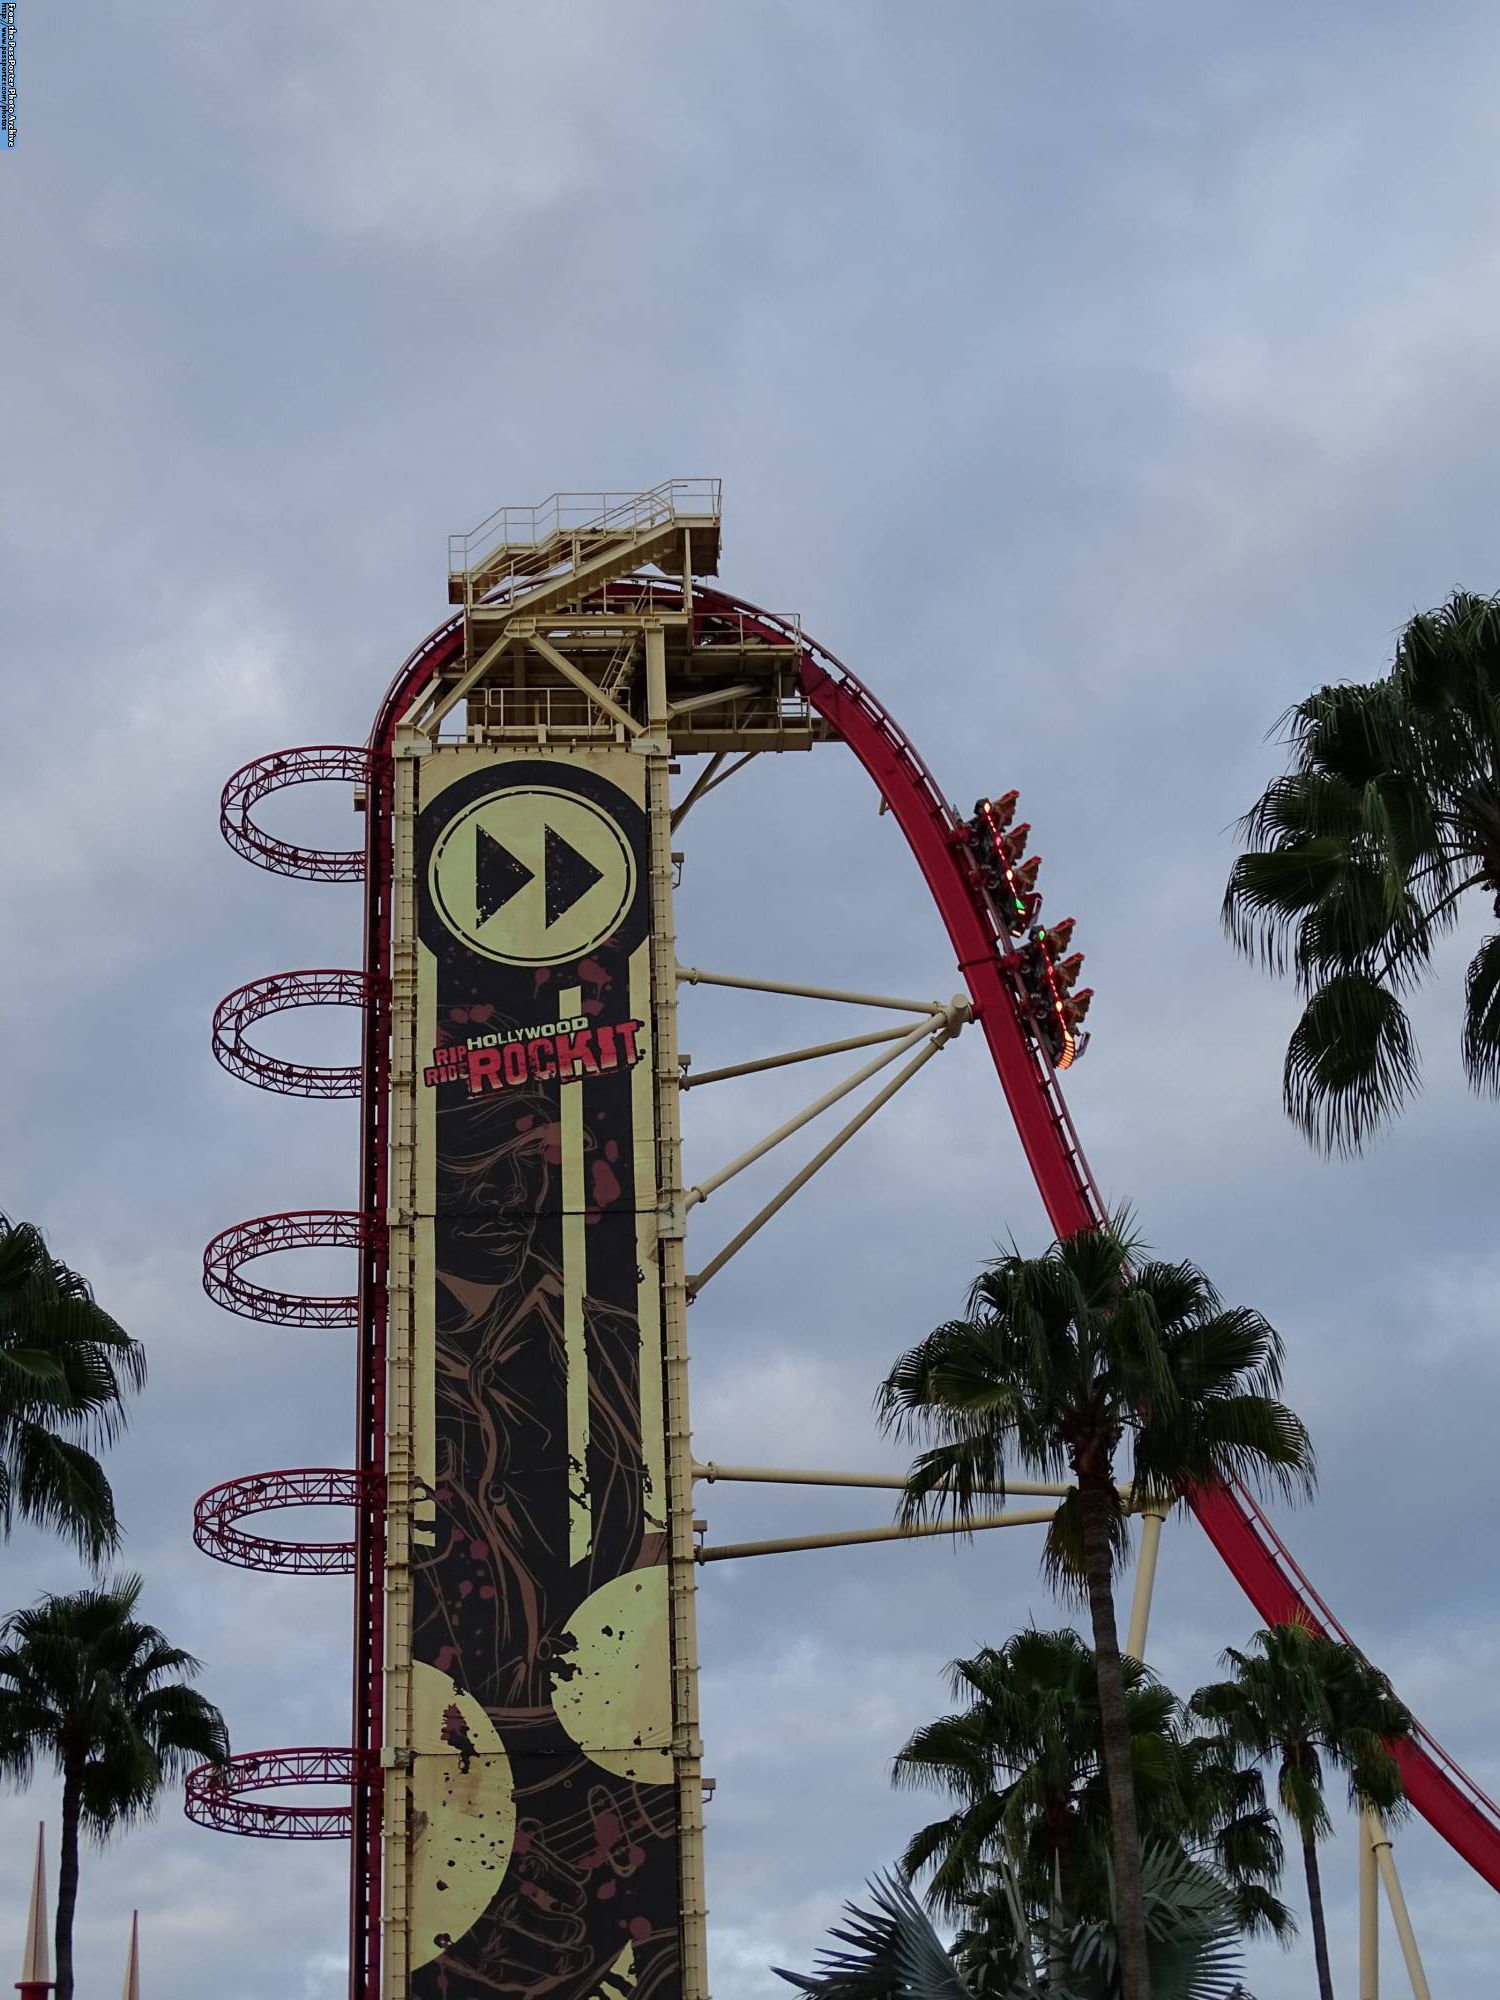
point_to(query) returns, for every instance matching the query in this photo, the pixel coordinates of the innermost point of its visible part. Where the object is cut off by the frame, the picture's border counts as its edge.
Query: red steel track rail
(279, 993)
(220, 1510)
(314, 763)
(218, 1794)
(1447, 1798)
(298, 1229)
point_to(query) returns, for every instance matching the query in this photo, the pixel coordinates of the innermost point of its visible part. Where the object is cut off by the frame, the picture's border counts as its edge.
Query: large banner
(543, 1830)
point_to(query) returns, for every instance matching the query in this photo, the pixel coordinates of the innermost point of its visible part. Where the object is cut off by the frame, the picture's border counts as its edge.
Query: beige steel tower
(543, 1798)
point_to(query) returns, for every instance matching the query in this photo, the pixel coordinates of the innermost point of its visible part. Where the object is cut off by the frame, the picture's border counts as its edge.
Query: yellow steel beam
(855, 1537)
(584, 685)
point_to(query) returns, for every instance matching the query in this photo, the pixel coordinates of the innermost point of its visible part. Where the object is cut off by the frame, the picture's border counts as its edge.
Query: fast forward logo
(533, 876)
(500, 875)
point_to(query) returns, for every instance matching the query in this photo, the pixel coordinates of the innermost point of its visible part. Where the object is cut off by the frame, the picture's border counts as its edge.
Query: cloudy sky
(1095, 378)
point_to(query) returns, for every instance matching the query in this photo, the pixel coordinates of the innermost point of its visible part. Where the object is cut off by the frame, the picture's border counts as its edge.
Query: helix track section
(228, 1797)
(225, 1258)
(221, 1796)
(220, 1511)
(313, 763)
(280, 993)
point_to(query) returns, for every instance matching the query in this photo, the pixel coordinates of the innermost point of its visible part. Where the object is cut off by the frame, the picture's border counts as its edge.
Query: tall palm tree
(1304, 1702)
(1024, 1762)
(1063, 1360)
(1365, 853)
(85, 1685)
(65, 1367)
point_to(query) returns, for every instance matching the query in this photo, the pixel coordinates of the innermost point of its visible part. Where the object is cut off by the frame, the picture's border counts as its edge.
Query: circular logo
(532, 875)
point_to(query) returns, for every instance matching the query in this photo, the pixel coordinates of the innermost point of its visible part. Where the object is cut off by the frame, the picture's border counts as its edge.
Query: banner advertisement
(543, 1822)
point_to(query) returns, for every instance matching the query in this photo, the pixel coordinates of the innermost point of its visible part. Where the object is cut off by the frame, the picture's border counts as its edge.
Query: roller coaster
(586, 642)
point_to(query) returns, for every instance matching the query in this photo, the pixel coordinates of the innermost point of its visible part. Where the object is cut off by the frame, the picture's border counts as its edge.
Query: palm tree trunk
(1315, 1910)
(67, 1887)
(1095, 1501)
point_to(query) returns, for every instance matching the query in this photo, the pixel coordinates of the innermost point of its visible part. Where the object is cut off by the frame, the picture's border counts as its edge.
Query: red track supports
(279, 993)
(218, 1513)
(298, 1229)
(222, 1796)
(218, 1795)
(315, 763)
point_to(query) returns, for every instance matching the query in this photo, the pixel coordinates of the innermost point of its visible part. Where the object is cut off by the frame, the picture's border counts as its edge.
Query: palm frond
(1351, 1062)
(890, 1952)
(58, 1485)
(1481, 1031)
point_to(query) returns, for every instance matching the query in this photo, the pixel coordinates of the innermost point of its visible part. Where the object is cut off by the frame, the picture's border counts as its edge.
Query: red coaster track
(315, 763)
(222, 1796)
(219, 1511)
(1442, 1792)
(278, 993)
(298, 1229)
(218, 1794)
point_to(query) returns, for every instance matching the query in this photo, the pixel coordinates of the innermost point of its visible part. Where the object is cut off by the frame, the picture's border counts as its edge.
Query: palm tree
(1301, 1701)
(892, 1952)
(1226, 1824)
(65, 1366)
(1024, 1759)
(1061, 1359)
(85, 1685)
(1364, 854)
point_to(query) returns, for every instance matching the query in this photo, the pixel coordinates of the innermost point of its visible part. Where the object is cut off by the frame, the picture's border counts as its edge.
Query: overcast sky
(1095, 379)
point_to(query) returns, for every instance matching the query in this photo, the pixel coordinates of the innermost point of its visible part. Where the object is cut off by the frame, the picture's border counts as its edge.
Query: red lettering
(627, 1036)
(543, 1053)
(484, 1069)
(429, 1076)
(609, 1055)
(514, 1054)
(576, 1052)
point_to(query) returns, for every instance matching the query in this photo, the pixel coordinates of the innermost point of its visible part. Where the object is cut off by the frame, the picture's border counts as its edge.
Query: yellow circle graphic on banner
(463, 1814)
(532, 876)
(615, 1696)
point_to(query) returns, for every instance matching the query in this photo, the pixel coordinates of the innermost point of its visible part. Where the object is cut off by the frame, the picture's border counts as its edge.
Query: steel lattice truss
(301, 1229)
(279, 993)
(218, 1794)
(217, 1516)
(338, 763)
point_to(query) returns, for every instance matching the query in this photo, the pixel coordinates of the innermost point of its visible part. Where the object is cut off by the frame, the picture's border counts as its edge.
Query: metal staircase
(540, 558)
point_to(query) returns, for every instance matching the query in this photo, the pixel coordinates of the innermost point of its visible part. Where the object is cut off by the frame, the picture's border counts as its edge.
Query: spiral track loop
(279, 993)
(303, 1229)
(218, 1513)
(216, 1794)
(339, 763)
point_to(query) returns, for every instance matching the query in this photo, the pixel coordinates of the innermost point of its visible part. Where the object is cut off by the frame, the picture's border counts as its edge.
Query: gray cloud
(1093, 380)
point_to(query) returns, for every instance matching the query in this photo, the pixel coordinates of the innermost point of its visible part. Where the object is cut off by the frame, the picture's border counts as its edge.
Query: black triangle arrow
(498, 875)
(569, 875)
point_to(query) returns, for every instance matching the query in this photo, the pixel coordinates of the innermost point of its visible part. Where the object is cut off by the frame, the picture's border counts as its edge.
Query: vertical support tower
(542, 1817)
